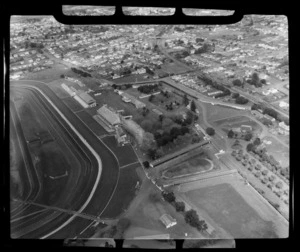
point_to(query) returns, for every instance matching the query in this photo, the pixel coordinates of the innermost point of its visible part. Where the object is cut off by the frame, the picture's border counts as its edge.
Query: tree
(148, 141)
(151, 97)
(193, 106)
(191, 217)
(146, 164)
(185, 100)
(230, 134)
(241, 100)
(147, 125)
(235, 95)
(250, 147)
(237, 82)
(257, 141)
(62, 76)
(167, 122)
(279, 185)
(248, 136)
(152, 153)
(210, 131)
(160, 118)
(168, 196)
(179, 206)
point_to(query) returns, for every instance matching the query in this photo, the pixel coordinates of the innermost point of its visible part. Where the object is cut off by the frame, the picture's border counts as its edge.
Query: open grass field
(72, 104)
(91, 123)
(280, 152)
(48, 75)
(145, 221)
(191, 166)
(125, 154)
(124, 193)
(215, 112)
(229, 210)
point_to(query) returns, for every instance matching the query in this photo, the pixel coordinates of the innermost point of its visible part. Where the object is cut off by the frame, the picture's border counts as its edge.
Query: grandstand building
(90, 101)
(107, 118)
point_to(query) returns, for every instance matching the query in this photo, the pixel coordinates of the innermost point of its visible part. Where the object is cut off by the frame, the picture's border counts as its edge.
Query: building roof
(109, 115)
(87, 98)
(167, 220)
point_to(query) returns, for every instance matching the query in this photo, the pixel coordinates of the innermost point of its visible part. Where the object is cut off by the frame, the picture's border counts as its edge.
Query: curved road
(103, 191)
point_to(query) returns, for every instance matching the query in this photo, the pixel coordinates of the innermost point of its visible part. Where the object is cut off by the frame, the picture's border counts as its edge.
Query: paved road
(109, 176)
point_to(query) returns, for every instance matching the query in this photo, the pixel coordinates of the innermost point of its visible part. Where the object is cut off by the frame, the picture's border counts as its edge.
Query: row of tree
(80, 72)
(271, 112)
(215, 85)
(191, 217)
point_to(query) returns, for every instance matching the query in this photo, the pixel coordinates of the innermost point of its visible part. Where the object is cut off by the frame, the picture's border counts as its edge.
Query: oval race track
(104, 189)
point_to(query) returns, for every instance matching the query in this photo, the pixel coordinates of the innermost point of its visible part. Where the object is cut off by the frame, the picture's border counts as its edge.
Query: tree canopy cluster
(255, 80)
(217, 86)
(210, 131)
(241, 100)
(147, 89)
(237, 83)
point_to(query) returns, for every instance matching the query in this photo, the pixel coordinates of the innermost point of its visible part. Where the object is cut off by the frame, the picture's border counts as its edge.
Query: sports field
(124, 192)
(229, 210)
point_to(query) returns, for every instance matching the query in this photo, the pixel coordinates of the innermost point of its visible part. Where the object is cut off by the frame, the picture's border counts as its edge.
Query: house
(269, 118)
(167, 220)
(284, 126)
(246, 128)
(236, 130)
(120, 135)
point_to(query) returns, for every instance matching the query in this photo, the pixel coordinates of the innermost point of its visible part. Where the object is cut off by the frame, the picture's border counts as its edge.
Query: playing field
(124, 193)
(229, 210)
(280, 152)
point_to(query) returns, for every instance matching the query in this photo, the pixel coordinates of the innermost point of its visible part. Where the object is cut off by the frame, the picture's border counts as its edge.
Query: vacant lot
(215, 112)
(125, 154)
(72, 104)
(91, 123)
(124, 193)
(229, 210)
(195, 165)
(278, 151)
